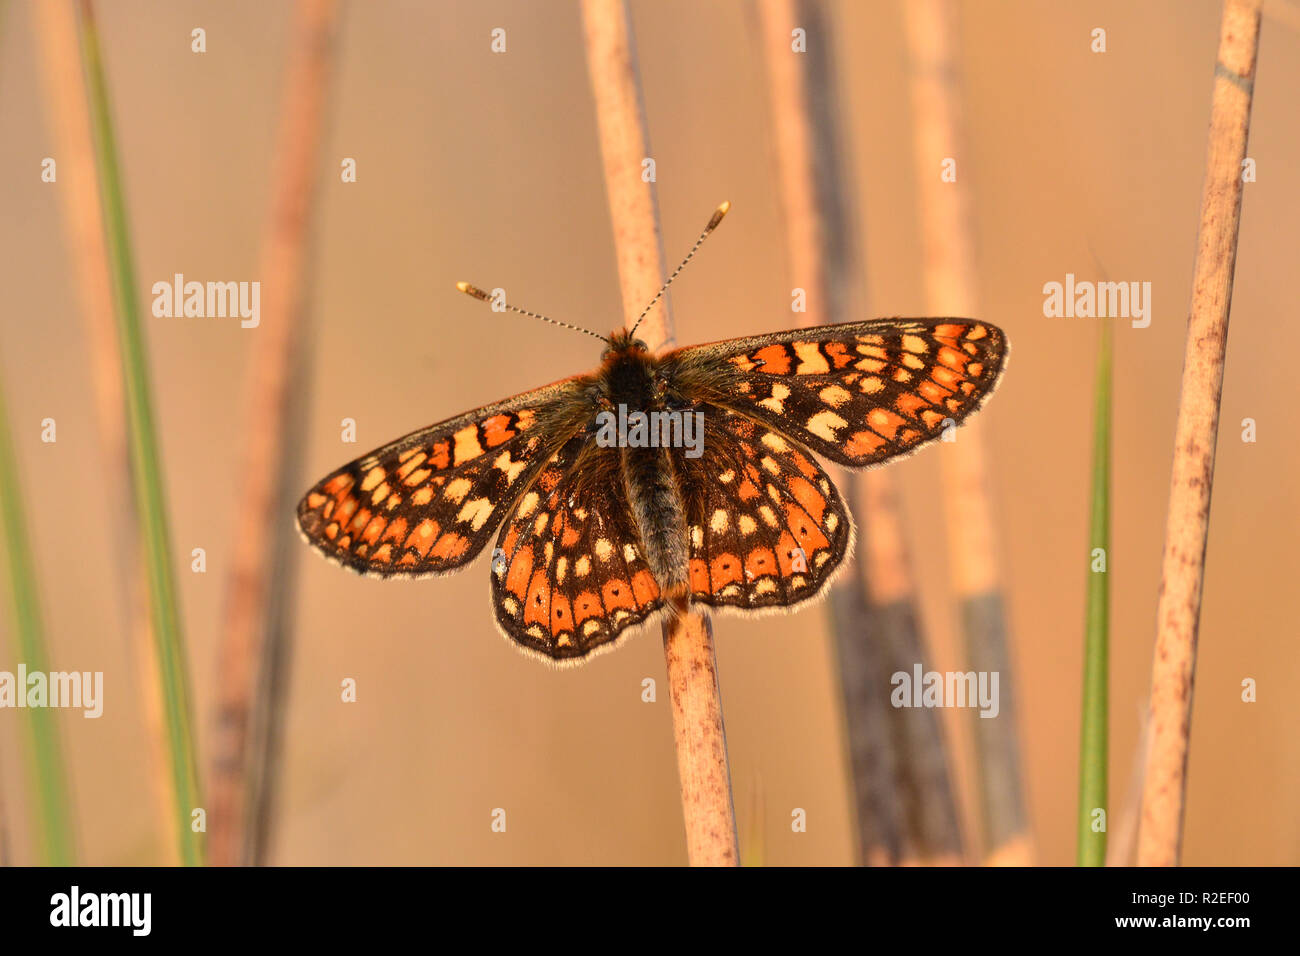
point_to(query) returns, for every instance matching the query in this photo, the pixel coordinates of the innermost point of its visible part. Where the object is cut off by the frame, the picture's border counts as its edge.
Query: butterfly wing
(767, 526)
(858, 393)
(427, 503)
(568, 573)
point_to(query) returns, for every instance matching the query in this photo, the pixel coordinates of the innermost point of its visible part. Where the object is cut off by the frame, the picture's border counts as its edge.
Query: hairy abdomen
(656, 502)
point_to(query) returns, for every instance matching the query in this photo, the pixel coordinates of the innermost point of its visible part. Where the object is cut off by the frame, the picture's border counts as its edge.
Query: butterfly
(658, 482)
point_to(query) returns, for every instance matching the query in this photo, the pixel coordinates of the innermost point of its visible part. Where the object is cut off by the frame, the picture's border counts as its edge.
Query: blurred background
(486, 167)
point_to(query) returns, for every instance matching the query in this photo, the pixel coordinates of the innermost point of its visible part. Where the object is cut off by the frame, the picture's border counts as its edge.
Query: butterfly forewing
(428, 503)
(859, 393)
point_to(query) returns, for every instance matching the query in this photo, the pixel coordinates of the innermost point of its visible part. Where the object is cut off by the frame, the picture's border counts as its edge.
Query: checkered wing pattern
(858, 393)
(568, 574)
(427, 503)
(767, 526)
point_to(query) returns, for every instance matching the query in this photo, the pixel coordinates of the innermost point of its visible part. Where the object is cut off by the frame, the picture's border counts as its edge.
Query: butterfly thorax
(630, 382)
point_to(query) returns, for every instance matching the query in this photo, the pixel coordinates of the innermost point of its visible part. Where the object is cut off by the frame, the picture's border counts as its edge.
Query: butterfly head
(622, 342)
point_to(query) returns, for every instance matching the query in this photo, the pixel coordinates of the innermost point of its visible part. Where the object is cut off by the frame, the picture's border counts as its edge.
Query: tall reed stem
(1183, 567)
(146, 469)
(50, 796)
(707, 803)
(69, 116)
(1094, 736)
(252, 642)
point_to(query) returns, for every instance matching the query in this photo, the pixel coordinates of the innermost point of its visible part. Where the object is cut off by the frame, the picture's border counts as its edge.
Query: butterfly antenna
(713, 224)
(478, 293)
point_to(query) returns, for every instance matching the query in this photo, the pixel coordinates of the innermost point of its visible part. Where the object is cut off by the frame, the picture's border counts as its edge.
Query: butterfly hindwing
(568, 574)
(428, 503)
(767, 526)
(858, 393)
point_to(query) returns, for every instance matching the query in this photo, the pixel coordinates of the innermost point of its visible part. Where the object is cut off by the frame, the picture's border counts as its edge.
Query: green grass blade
(1093, 744)
(53, 803)
(145, 469)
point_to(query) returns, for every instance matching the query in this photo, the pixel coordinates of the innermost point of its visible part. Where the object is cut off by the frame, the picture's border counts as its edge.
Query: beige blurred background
(485, 167)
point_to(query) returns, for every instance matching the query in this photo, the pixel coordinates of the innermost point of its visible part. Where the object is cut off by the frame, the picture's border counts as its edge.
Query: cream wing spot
(509, 467)
(825, 424)
(456, 490)
(476, 512)
(467, 444)
(417, 477)
(811, 360)
(832, 395)
(776, 401)
(373, 477)
(411, 460)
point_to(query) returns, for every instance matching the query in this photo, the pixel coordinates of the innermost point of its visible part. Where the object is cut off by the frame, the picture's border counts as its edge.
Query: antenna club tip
(724, 207)
(474, 291)
(717, 216)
